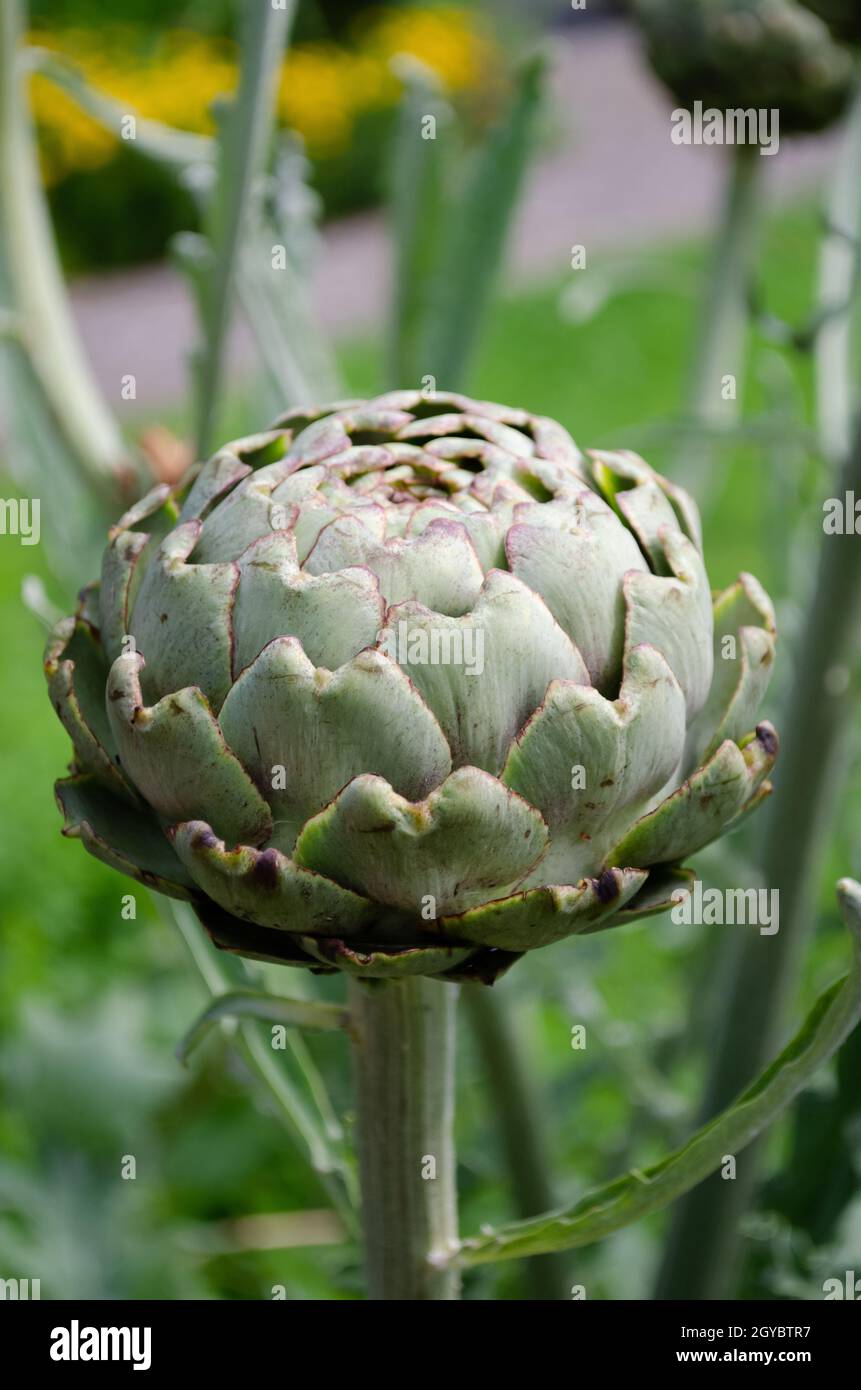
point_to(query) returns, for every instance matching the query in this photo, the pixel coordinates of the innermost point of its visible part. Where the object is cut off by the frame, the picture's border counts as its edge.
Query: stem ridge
(403, 1059)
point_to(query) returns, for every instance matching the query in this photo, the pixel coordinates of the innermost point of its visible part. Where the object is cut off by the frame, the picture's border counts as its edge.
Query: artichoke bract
(411, 685)
(759, 54)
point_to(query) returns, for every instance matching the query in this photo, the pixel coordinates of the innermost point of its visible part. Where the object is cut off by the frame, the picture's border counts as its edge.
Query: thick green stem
(403, 1059)
(702, 1253)
(517, 1116)
(34, 282)
(718, 348)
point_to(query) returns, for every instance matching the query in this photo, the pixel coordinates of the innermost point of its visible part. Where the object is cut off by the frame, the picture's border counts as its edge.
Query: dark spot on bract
(265, 871)
(608, 781)
(162, 617)
(330, 946)
(115, 695)
(606, 886)
(768, 739)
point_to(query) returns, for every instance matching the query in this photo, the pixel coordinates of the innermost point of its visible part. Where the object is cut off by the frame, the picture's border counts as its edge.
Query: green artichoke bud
(759, 54)
(411, 686)
(843, 17)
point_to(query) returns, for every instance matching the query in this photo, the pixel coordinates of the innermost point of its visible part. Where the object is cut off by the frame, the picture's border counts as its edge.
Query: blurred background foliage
(88, 1067)
(336, 91)
(91, 1004)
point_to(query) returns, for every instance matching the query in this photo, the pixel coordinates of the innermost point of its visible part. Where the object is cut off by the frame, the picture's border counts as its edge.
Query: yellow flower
(444, 39)
(323, 88)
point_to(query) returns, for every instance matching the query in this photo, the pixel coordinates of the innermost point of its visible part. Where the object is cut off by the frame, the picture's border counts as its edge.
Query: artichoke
(411, 686)
(759, 54)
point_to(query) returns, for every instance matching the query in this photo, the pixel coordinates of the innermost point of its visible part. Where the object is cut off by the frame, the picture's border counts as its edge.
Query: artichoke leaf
(324, 728)
(228, 467)
(674, 613)
(266, 887)
(543, 915)
(122, 836)
(697, 812)
(744, 642)
(483, 674)
(438, 568)
(373, 963)
(75, 666)
(587, 762)
(333, 615)
(578, 571)
(176, 756)
(666, 886)
(122, 568)
(469, 841)
(181, 620)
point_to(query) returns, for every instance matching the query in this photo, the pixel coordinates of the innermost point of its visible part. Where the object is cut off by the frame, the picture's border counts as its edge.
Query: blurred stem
(243, 154)
(838, 274)
(718, 345)
(403, 1060)
(334, 1173)
(34, 282)
(299, 362)
(702, 1252)
(477, 225)
(417, 212)
(519, 1122)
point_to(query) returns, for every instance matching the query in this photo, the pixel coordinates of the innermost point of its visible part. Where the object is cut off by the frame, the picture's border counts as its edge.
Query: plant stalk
(718, 349)
(701, 1255)
(34, 282)
(838, 276)
(403, 1060)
